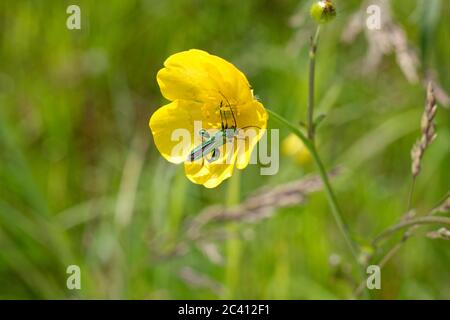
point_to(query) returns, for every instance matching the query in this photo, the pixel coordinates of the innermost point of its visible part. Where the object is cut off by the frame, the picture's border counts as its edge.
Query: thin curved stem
(311, 81)
(310, 145)
(411, 222)
(332, 201)
(291, 127)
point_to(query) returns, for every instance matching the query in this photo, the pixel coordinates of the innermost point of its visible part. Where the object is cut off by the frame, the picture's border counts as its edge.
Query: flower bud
(323, 11)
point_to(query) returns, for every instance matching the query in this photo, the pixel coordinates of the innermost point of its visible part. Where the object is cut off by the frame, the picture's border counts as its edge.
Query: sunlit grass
(82, 183)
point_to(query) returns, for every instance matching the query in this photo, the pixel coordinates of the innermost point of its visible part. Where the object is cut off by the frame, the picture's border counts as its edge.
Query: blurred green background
(82, 183)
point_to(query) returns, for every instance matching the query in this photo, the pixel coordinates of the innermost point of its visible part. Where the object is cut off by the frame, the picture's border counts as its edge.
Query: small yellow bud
(323, 11)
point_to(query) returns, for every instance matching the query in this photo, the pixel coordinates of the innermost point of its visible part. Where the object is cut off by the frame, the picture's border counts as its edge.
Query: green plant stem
(411, 193)
(291, 127)
(311, 81)
(233, 243)
(309, 143)
(411, 222)
(332, 201)
(311, 135)
(335, 209)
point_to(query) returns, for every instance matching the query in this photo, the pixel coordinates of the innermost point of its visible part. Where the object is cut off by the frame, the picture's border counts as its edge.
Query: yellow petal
(253, 122)
(199, 76)
(245, 148)
(173, 130)
(197, 171)
(211, 174)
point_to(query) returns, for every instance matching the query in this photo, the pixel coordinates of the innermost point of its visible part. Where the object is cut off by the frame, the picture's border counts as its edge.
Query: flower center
(220, 116)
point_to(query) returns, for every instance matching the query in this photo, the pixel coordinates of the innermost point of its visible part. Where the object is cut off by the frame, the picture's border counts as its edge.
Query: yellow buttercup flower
(206, 89)
(294, 147)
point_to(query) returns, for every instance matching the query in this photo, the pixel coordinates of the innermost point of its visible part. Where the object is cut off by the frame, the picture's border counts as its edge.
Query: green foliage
(82, 183)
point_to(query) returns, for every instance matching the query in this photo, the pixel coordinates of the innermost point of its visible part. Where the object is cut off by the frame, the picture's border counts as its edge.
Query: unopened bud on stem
(323, 11)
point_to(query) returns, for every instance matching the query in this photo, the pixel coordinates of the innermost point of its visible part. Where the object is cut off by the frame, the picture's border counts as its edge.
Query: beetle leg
(215, 154)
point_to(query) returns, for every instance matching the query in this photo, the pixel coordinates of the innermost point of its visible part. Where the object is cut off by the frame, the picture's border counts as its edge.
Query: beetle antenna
(231, 109)
(221, 116)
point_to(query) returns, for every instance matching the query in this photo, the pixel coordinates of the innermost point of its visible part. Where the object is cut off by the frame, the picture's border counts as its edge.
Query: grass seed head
(428, 129)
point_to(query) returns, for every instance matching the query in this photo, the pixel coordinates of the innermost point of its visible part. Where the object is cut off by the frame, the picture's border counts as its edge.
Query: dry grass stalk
(428, 135)
(441, 95)
(261, 205)
(442, 233)
(211, 251)
(444, 206)
(196, 279)
(428, 132)
(391, 38)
